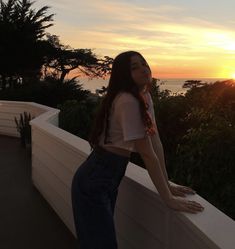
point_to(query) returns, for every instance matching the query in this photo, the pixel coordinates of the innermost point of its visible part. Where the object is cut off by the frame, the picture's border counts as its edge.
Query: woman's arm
(175, 189)
(153, 166)
(159, 151)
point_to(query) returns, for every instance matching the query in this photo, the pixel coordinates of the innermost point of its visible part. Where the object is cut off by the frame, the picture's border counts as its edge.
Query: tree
(205, 159)
(192, 84)
(102, 91)
(22, 48)
(64, 59)
(27, 51)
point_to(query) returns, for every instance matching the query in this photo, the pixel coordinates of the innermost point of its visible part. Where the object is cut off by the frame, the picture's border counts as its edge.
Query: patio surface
(26, 219)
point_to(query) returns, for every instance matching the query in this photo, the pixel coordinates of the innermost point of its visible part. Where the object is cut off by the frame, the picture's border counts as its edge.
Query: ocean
(174, 85)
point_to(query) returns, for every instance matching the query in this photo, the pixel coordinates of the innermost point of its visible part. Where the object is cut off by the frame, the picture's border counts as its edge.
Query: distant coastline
(172, 84)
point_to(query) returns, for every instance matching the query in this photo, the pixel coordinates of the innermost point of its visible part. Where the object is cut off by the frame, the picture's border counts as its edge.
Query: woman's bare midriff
(119, 151)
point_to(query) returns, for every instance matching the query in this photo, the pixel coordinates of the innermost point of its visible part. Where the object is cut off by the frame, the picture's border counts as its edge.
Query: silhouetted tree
(193, 83)
(65, 59)
(22, 48)
(102, 91)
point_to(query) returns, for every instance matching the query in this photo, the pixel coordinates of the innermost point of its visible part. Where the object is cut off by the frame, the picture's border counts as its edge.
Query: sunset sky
(179, 38)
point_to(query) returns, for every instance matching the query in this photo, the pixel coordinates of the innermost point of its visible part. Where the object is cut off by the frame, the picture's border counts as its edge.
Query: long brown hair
(120, 81)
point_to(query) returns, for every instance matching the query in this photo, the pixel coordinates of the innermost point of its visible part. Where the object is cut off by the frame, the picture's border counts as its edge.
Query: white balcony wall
(9, 110)
(142, 219)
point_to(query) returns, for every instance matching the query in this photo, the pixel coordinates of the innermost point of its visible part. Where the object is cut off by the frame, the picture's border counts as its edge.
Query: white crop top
(125, 123)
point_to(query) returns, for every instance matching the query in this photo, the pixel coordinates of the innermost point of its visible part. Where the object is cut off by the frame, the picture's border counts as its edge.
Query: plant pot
(28, 147)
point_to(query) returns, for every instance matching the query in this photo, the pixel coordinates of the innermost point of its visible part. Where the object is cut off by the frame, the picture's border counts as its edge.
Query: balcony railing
(142, 219)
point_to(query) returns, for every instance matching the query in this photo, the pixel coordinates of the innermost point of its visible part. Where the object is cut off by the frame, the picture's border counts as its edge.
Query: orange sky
(179, 39)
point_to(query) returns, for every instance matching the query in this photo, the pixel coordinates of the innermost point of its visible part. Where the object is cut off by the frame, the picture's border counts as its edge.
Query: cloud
(163, 32)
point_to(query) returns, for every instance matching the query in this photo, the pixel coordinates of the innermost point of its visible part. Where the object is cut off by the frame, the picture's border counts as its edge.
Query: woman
(124, 123)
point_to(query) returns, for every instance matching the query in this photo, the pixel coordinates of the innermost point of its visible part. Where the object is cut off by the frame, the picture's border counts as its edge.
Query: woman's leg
(94, 193)
(99, 229)
(93, 216)
(113, 200)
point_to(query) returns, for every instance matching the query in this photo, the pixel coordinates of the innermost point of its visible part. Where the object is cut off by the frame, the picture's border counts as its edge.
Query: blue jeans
(94, 192)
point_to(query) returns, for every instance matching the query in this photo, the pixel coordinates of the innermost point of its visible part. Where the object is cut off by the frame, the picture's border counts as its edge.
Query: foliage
(54, 92)
(202, 154)
(191, 84)
(76, 116)
(205, 160)
(102, 91)
(28, 53)
(49, 92)
(22, 50)
(24, 128)
(170, 111)
(64, 59)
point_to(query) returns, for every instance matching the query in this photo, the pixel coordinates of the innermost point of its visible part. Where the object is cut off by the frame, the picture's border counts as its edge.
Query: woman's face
(140, 71)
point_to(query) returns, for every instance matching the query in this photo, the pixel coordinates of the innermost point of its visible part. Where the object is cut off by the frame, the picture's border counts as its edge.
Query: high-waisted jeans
(94, 192)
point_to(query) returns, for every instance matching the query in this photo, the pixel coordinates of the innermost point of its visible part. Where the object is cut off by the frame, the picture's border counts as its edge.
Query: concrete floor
(26, 220)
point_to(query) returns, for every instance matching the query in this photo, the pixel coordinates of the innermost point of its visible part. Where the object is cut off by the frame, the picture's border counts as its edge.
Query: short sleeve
(130, 119)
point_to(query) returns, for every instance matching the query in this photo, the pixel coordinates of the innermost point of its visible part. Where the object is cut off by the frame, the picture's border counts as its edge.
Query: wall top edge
(25, 103)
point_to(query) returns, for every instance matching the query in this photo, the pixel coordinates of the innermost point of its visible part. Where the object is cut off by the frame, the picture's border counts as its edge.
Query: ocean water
(172, 84)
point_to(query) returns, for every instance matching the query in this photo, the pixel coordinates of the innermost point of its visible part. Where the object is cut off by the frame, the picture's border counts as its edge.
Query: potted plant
(24, 128)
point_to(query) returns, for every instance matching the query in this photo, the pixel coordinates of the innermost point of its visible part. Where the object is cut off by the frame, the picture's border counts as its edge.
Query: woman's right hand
(184, 205)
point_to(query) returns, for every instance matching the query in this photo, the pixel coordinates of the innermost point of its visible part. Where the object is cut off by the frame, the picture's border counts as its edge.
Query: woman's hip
(101, 171)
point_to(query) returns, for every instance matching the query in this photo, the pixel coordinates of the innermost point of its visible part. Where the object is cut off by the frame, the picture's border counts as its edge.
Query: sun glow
(233, 76)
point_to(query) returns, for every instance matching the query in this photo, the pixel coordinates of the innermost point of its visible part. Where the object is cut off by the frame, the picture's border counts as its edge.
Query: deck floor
(26, 219)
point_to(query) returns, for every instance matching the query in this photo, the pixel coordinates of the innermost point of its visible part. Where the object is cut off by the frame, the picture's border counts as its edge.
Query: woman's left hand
(179, 190)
